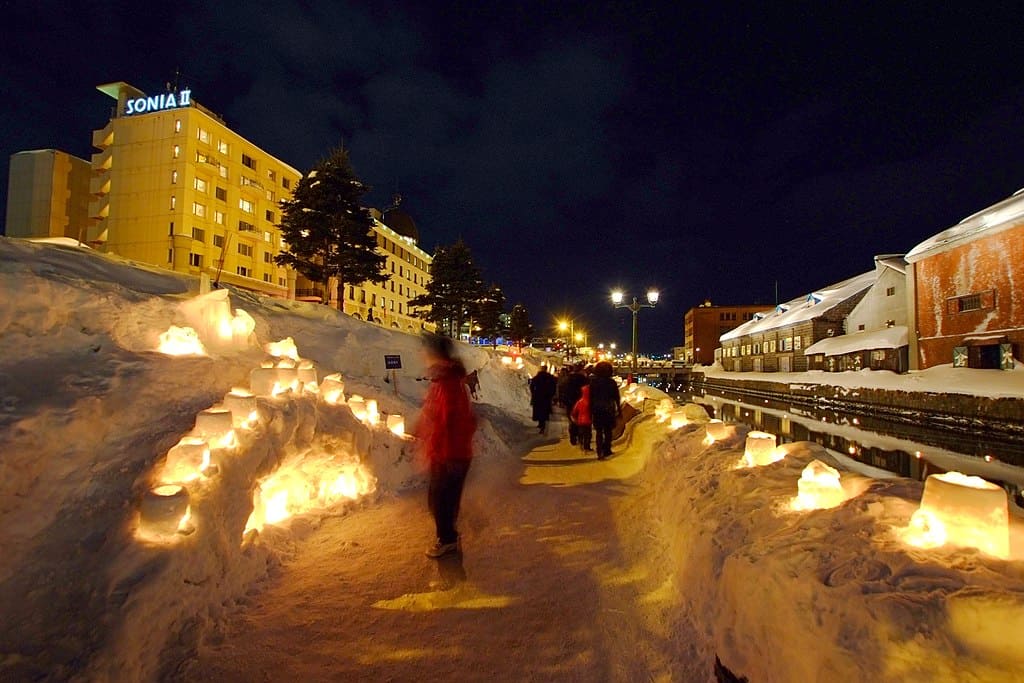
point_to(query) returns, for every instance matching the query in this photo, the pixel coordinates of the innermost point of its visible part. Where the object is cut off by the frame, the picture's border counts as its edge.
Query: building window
(195, 260)
(281, 281)
(222, 147)
(797, 342)
(270, 216)
(174, 177)
(267, 278)
(271, 176)
(177, 125)
(245, 205)
(177, 151)
(267, 257)
(890, 291)
(971, 302)
(271, 196)
(243, 271)
(218, 217)
(890, 323)
(174, 202)
(267, 237)
(203, 135)
(245, 249)
(351, 293)
(218, 241)
(201, 158)
(860, 328)
(224, 172)
(199, 209)
(200, 185)
(170, 230)
(248, 162)
(221, 193)
(286, 183)
(199, 234)
(170, 256)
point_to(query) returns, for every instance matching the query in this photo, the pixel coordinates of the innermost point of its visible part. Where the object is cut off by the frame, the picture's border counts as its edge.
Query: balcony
(104, 137)
(102, 160)
(99, 184)
(99, 208)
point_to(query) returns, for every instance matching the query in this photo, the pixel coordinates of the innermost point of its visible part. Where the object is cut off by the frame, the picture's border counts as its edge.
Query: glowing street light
(635, 306)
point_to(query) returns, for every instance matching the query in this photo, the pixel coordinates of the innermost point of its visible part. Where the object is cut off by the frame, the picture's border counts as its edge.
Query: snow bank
(833, 594)
(89, 412)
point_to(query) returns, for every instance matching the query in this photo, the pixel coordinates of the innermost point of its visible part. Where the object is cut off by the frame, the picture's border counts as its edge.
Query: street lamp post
(635, 306)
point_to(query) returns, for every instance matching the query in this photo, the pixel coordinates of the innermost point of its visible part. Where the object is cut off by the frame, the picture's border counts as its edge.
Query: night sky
(576, 147)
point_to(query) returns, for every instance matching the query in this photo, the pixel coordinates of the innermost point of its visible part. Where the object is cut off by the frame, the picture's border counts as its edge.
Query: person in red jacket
(445, 430)
(581, 418)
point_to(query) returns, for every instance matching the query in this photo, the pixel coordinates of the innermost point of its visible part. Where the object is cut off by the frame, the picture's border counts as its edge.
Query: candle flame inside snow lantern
(358, 407)
(678, 420)
(716, 430)
(181, 341)
(760, 450)
(164, 510)
(242, 405)
(818, 488)
(284, 349)
(664, 410)
(961, 510)
(307, 375)
(332, 389)
(187, 460)
(396, 423)
(216, 425)
(372, 412)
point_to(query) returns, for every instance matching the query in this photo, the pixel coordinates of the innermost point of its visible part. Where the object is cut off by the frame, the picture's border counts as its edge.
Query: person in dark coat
(605, 406)
(542, 394)
(445, 433)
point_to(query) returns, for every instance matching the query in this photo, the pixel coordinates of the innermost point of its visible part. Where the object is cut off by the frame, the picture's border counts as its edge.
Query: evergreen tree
(454, 289)
(488, 313)
(520, 328)
(327, 232)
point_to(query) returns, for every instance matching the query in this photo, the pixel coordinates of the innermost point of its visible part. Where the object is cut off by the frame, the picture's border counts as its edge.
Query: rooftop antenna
(776, 292)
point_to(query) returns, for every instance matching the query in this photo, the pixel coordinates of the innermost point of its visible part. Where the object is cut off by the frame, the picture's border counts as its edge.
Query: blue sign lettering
(170, 100)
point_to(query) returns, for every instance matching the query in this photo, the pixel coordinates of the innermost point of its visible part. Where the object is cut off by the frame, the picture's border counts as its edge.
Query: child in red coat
(581, 418)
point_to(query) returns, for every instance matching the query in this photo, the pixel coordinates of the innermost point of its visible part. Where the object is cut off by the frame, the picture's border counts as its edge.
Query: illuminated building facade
(48, 195)
(173, 186)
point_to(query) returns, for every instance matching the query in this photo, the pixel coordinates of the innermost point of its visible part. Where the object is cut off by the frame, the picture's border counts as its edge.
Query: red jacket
(446, 423)
(581, 411)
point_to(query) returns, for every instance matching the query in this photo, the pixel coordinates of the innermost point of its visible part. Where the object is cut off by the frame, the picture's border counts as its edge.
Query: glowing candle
(760, 450)
(163, 509)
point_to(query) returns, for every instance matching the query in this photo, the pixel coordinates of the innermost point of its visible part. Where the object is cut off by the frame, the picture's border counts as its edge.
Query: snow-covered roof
(1006, 214)
(894, 261)
(885, 338)
(804, 307)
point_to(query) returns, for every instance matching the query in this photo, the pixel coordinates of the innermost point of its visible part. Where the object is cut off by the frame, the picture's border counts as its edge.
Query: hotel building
(48, 195)
(173, 186)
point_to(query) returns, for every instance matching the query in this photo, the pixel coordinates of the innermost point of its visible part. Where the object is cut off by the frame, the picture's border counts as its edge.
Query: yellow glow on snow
(181, 341)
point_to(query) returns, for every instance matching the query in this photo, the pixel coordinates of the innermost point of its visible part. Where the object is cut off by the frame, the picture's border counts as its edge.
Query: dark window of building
(222, 194)
(860, 327)
(891, 291)
(267, 258)
(243, 271)
(248, 161)
(286, 183)
(218, 241)
(245, 249)
(199, 234)
(267, 278)
(246, 227)
(270, 216)
(971, 302)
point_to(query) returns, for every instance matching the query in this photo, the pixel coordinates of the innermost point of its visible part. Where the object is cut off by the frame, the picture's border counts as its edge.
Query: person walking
(605, 407)
(582, 419)
(574, 383)
(473, 382)
(542, 393)
(445, 431)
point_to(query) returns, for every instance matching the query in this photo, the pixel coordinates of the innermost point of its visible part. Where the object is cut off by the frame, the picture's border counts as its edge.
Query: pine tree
(488, 313)
(520, 328)
(454, 289)
(327, 232)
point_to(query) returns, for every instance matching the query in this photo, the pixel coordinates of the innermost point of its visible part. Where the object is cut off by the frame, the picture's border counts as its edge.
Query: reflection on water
(913, 451)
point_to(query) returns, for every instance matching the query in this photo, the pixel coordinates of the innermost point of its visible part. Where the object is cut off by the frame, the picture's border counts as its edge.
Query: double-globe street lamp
(573, 336)
(635, 306)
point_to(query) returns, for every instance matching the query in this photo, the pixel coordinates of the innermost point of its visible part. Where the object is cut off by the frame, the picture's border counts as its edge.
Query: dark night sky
(578, 146)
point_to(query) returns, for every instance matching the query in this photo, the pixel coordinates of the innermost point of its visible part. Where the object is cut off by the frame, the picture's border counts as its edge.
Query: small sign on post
(393, 363)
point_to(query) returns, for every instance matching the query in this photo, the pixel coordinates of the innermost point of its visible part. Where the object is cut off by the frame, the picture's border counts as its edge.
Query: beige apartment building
(173, 186)
(48, 195)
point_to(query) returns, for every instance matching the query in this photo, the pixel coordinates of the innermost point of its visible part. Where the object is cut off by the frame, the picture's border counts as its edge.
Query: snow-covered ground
(649, 565)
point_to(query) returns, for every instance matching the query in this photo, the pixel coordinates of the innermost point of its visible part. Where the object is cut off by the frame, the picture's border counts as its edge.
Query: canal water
(908, 450)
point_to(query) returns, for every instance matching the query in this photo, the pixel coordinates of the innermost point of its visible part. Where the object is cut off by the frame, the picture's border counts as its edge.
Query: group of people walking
(590, 398)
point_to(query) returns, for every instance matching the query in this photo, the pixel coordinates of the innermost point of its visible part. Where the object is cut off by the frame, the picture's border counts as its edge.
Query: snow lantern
(396, 423)
(664, 410)
(242, 405)
(164, 510)
(210, 314)
(287, 362)
(962, 510)
(677, 419)
(268, 363)
(332, 389)
(181, 341)
(760, 450)
(716, 430)
(358, 407)
(283, 349)
(186, 460)
(273, 381)
(818, 488)
(216, 425)
(307, 375)
(372, 412)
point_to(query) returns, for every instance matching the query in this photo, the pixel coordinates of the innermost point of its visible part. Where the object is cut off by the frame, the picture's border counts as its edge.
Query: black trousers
(444, 496)
(604, 423)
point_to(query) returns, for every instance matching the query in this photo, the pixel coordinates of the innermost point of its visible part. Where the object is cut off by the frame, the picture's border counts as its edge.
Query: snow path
(542, 592)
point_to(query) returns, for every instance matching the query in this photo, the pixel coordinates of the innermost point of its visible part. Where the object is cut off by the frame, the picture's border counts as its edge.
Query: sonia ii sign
(169, 100)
